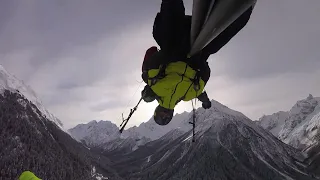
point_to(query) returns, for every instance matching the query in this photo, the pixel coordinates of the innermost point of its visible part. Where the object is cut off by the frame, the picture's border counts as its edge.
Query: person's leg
(168, 24)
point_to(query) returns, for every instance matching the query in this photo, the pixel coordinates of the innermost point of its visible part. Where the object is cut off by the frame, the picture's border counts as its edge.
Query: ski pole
(125, 121)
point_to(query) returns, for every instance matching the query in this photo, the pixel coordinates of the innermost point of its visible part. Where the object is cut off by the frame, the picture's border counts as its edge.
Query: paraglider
(172, 76)
(179, 70)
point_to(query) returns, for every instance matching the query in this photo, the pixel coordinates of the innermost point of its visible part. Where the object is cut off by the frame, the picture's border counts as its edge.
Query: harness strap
(185, 70)
(184, 94)
(160, 75)
(196, 81)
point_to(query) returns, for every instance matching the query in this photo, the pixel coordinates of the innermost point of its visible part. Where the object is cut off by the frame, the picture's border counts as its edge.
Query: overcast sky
(83, 58)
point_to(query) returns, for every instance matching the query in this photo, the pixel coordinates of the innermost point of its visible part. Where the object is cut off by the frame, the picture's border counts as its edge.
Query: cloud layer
(83, 58)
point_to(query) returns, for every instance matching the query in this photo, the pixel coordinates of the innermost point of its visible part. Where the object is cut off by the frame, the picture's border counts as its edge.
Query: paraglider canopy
(211, 17)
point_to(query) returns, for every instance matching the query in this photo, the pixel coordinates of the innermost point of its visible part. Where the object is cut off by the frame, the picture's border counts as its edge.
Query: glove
(147, 94)
(203, 97)
(206, 104)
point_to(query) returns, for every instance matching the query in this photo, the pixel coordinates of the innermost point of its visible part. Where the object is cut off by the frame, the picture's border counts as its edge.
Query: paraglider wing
(209, 11)
(223, 13)
(200, 13)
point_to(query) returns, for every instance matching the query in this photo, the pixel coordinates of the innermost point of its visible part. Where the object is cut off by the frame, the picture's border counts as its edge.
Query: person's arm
(147, 94)
(206, 103)
(205, 72)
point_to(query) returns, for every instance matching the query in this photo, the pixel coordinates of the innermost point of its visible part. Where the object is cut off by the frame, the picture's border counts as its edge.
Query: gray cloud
(281, 37)
(107, 105)
(83, 58)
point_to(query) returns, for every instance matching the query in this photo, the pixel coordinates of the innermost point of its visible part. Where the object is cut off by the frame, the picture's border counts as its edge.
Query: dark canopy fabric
(200, 12)
(211, 17)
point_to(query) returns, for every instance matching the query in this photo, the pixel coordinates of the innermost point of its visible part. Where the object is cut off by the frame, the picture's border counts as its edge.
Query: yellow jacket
(27, 175)
(177, 84)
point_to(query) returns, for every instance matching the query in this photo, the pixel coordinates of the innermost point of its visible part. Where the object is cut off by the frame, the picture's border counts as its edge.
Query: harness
(162, 74)
(195, 81)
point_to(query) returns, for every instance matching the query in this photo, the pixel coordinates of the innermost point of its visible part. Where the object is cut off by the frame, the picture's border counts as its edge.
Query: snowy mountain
(273, 123)
(299, 126)
(30, 139)
(11, 83)
(300, 129)
(107, 134)
(228, 146)
(290, 127)
(95, 133)
(153, 131)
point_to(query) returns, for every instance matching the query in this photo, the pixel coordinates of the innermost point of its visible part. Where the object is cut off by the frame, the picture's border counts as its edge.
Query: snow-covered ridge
(107, 134)
(221, 134)
(102, 132)
(273, 123)
(299, 113)
(154, 131)
(10, 82)
(299, 126)
(95, 133)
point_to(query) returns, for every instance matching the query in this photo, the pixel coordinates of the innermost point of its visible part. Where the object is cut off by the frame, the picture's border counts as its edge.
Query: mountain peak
(150, 130)
(93, 122)
(13, 84)
(224, 138)
(95, 132)
(25, 129)
(2, 70)
(274, 122)
(298, 126)
(310, 97)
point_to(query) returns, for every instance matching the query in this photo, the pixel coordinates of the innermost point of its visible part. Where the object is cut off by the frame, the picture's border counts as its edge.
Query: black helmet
(162, 116)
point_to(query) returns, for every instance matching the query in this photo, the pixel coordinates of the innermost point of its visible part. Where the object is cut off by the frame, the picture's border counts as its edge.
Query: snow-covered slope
(107, 134)
(95, 133)
(11, 83)
(227, 145)
(273, 123)
(26, 126)
(299, 127)
(154, 131)
(302, 127)
(31, 141)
